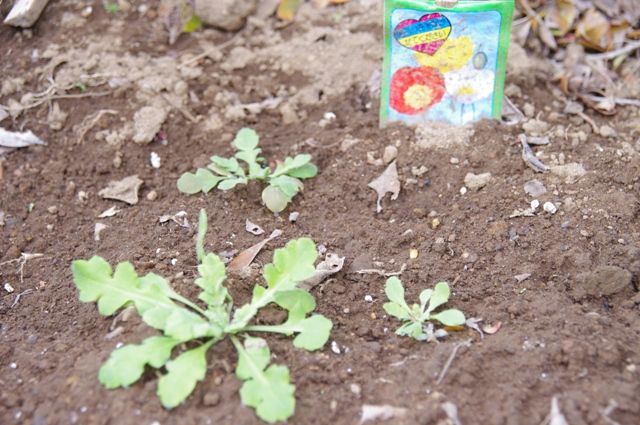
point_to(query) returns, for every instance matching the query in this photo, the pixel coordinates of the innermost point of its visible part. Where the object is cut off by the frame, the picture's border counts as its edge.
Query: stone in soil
(147, 122)
(605, 281)
(476, 181)
(228, 15)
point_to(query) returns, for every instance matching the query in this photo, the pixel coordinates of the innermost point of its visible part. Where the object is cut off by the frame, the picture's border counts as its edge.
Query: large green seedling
(417, 316)
(226, 173)
(189, 329)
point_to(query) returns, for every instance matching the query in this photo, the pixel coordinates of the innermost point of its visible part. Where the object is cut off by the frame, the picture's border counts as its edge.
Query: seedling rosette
(283, 183)
(188, 329)
(417, 317)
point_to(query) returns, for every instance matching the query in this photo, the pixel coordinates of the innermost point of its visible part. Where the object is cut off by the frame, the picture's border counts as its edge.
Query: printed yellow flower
(451, 56)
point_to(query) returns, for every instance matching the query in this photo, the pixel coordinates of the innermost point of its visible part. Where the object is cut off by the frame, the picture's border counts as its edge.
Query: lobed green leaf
(268, 391)
(202, 181)
(126, 364)
(291, 265)
(183, 373)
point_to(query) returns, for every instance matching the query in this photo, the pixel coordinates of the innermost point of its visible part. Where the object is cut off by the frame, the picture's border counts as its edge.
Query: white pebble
(13, 365)
(293, 217)
(535, 204)
(463, 190)
(174, 261)
(368, 298)
(155, 160)
(334, 347)
(8, 287)
(549, 207)
(329, 116)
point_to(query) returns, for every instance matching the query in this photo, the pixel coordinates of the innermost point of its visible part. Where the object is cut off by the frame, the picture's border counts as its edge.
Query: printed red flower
(414, 90)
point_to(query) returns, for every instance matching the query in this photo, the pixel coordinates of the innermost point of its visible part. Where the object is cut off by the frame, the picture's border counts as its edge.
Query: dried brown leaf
(246, 257)
(387, 182)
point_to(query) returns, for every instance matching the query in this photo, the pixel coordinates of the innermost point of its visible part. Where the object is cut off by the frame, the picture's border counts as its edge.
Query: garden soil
(563, 286)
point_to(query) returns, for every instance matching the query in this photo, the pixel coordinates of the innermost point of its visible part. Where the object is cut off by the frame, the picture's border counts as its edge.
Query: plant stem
(269, 328)
(257, 372)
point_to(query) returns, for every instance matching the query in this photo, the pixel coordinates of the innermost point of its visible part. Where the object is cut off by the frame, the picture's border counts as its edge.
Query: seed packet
(444, 64)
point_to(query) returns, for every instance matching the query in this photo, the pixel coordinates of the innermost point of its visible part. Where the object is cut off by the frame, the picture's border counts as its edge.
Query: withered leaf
(387, 182)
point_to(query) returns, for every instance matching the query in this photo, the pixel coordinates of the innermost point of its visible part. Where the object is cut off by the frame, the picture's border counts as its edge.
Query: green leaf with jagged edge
(126, 364)
(184, 372)
(202, 181)
(246, 142)
(291, 164)
(297, 302)
(230, 183)
(313, 332)
(290, 186)
(151, 295)
(212, 276)
(291, 265)
(305, 172)
(266, 390)
(226, 167)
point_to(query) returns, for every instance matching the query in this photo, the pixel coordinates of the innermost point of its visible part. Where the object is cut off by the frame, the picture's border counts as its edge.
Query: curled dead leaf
(332, 264)
(492, 329)
(253, 228)
(387, 182)
(246, 257)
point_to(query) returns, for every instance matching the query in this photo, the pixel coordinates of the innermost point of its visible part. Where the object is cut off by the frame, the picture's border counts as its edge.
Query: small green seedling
(189, 329)
(226, 173)
(417, 316)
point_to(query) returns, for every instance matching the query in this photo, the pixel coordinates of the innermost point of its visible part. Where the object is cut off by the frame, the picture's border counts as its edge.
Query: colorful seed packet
(444, 64)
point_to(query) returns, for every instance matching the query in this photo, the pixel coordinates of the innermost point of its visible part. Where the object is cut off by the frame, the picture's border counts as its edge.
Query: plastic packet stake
(444, 63)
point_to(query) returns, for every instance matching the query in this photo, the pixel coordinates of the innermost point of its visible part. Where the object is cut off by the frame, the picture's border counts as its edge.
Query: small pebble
(8, 287)
(368, 298)
(13, 365)
(534, 205)
(390, 153)
(463, 190)
(293, 217)
(211, 399)
(334, 347)
(355, 388)
(550, 207)
(413, 253)
(454, 160)
(435, 223)
(152, 196)
(52, 209)
(155, 160)
(606, 131)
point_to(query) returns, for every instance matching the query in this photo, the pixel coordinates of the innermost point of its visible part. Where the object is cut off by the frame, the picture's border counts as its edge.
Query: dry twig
(447, 365)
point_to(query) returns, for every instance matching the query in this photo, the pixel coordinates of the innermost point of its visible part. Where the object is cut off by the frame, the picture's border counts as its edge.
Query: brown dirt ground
(555, 339)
